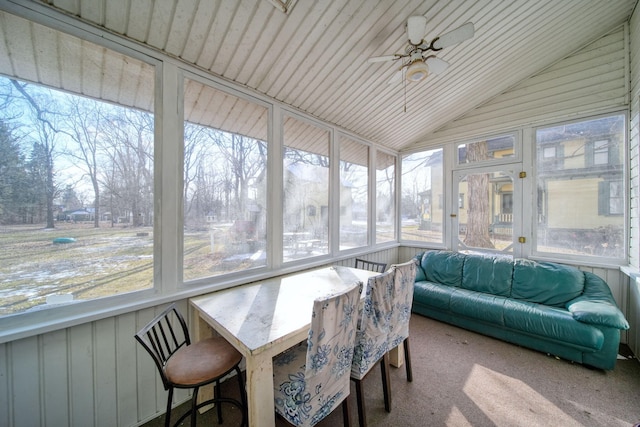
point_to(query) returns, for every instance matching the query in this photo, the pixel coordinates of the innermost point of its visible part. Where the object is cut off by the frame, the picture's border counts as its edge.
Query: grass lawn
(100, 262)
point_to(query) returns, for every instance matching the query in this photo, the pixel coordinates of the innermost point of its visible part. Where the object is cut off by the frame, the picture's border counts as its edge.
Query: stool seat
(196, 364)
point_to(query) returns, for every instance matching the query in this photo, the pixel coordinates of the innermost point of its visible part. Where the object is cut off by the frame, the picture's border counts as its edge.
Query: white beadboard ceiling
(314, 56)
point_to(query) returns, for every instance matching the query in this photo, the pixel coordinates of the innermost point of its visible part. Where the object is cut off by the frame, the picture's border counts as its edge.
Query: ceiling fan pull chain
(404, 84)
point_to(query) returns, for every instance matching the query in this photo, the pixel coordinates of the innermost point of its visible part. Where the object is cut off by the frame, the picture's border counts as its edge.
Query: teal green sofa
(549, 307)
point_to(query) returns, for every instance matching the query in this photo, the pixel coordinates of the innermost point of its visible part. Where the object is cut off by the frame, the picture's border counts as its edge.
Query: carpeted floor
(461, 378)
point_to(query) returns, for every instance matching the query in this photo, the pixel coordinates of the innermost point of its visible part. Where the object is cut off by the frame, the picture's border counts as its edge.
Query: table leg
(260, 391)
(396, 356)
(200, 330)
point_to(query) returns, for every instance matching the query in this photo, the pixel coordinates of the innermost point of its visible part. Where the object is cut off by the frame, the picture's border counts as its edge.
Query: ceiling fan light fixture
(417, 71)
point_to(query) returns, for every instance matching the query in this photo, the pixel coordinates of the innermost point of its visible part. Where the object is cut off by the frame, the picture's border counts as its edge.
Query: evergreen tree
(13, 178)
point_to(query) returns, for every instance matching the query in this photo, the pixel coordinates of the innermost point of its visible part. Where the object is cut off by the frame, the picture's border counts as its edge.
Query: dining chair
(312, 378)
(363, 264)
(372, 339)
(182, 364)
(404, 278)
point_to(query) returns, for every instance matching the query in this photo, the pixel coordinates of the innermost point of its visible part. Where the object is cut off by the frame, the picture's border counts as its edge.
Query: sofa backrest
(489, 274)
(539, 282)
(545, 282)
(443, 267)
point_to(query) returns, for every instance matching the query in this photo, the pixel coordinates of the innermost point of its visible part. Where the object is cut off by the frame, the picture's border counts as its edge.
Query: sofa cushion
(443, 267)
(546, 283)
(477, 305)
(490, 274)
(432, 294)
(551, 322)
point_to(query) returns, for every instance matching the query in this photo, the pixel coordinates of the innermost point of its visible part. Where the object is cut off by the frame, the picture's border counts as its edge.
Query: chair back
(330, 344)
(308, 396)
(372, 337)
(163, 336)
(402, 295)
(378, 267)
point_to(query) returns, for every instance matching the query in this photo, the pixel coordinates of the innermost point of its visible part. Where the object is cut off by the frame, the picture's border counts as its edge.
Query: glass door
(485, 203)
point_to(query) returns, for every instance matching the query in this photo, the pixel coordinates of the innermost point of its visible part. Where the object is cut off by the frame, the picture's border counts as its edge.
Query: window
(354, 193)
(495, 148)
(385, 198)
(610, 198)
(485, 209)
(600, 152)
(225, 162)
(76, 173)
(422, 195)
(550, 156)
(305, 190)
(581, 200)
(506, 206)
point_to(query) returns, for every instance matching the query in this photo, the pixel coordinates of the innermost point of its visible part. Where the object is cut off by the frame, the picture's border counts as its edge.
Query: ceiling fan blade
(456, 36)
(416, 29)
(396, 77)
(383, 58)
(436, 65)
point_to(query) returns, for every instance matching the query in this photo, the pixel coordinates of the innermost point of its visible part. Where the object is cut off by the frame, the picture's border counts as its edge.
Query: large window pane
(354, 160)
(76, 172)
(385, 198)
(225, 182)
(580, 176)
(422, 197)
(306, 190)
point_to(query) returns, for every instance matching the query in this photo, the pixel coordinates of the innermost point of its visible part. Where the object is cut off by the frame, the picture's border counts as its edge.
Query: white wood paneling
(55, 374)
(634, 141)
(634, 182)
(314, 58)
(633, 316)
(25, 382)
(126, 373)
(589, 81)
(105, 364)
(388, 256)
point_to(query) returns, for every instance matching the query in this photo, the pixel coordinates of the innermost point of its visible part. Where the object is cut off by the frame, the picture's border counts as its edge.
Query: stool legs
(167, 416)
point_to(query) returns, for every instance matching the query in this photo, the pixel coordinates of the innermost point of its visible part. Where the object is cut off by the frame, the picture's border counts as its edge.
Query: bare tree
(478, 210)
(85, 122)
(194, 155)
(243, 159)
(130, 149)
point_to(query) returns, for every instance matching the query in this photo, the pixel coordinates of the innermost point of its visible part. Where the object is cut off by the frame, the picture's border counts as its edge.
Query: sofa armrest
(596, 305)
(598, 313)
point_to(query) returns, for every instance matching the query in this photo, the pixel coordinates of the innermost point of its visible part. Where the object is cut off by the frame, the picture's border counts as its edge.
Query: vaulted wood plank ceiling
(314, 57)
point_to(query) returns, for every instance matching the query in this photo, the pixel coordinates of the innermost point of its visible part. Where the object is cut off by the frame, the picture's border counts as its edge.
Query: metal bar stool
(185, 365)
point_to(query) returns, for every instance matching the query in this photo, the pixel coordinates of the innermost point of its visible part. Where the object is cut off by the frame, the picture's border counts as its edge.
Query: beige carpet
(465, 379)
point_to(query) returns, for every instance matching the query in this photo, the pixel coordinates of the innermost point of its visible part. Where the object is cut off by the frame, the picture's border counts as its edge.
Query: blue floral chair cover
(404, 279)
(372, 338)
(311, 379)
(402, 294)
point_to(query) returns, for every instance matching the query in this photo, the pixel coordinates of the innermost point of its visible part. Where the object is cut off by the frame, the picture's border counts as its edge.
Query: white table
(263, 319)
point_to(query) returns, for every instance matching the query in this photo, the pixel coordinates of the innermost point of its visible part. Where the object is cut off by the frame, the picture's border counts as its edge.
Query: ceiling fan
(419, 54)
